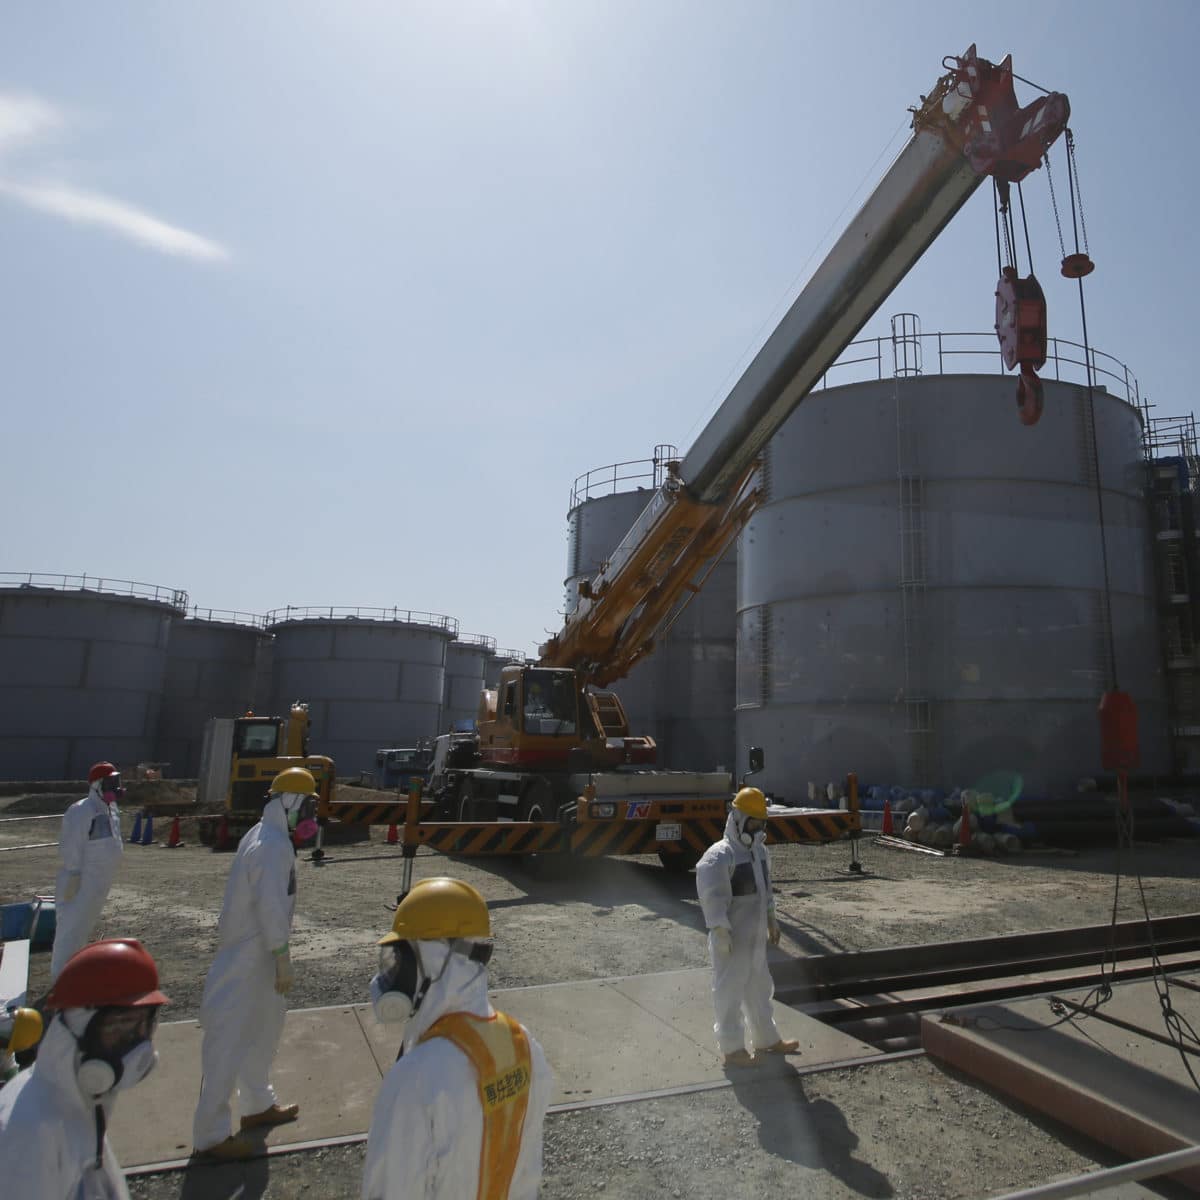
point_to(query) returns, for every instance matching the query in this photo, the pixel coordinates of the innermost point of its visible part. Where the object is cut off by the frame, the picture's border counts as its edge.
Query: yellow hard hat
(440, 908)
(752, 802)
(26, 1030)
(294, 779)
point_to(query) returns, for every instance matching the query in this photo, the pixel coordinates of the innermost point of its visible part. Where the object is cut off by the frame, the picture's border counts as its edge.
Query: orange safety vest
(498, 1048)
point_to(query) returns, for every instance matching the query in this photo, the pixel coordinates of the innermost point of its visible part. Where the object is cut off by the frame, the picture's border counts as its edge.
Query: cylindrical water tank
(466, 665)
(82, 664)
(682, 694)
(922, 596)
(496, 661)
(212, 664)
(373, 678)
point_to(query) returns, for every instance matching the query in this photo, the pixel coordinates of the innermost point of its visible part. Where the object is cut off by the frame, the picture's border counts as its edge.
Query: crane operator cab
(549, 704)
(541, 718)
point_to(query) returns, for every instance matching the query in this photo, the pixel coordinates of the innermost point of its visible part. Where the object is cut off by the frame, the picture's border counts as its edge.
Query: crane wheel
(536, 803)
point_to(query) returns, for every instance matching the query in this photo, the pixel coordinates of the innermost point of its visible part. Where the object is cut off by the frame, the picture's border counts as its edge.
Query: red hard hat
(102, 770)
(117, 971)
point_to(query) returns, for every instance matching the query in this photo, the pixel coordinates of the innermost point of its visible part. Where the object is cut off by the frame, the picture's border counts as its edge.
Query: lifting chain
(1077, 264)
(1062, 247)
(1077, 197)
(1003, 220)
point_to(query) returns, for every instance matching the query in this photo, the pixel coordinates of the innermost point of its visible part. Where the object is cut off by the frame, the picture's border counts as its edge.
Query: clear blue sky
(329, 303)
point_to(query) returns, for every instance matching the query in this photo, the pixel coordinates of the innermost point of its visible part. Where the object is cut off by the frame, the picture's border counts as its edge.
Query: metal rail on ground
(878, 996)
(1099, 1181)
(711, 1085)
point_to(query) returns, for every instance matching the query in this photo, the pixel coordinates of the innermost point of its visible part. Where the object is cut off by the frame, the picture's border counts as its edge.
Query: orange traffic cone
(393, 835)
(886, 827)
(173, 836)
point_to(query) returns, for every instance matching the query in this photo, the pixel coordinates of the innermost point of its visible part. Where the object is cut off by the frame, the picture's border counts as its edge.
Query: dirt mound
(159, 795)
(40, 802)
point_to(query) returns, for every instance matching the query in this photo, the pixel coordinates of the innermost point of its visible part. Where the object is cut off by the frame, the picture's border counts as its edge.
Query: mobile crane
(552, 743)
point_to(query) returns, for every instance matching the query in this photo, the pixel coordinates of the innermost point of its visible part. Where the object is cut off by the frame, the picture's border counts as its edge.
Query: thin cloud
(26, 120)
(91, 208)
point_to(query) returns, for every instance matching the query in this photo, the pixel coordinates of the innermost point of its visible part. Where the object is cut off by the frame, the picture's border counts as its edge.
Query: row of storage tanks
(921, 598)
(94, 669)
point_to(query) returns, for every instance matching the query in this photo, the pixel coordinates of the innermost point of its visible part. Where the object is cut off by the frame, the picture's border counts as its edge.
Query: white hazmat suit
(243, 1009)
(49, 1131)
(427, 1125)
(90, 848)
(733, 882)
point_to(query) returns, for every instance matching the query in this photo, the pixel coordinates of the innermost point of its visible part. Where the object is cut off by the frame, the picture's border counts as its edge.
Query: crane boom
(968, 128)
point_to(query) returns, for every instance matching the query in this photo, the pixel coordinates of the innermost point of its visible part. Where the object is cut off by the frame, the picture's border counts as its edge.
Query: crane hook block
(1030, 397)
(1076, 266)
(1021, 320)
(1118, 731)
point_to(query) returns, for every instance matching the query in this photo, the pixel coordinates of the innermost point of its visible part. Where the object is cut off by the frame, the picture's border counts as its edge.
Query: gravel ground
(866, 1132)
(908, 1130)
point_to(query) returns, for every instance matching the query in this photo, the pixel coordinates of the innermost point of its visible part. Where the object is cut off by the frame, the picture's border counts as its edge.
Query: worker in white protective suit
(460, 1114)
(102, 1013)
(733, 881)
(243, 1006)
(90, 847)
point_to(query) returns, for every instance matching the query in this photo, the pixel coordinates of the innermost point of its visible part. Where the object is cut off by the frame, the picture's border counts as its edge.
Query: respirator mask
(751, 829)
(111, 789)
(116, 1048)
(297, 807)
(402, 981)
(399, 986)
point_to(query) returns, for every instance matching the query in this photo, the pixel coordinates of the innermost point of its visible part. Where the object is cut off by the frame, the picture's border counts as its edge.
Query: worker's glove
(722, 941)
(285, 976)
(71, 888)
(772, 930)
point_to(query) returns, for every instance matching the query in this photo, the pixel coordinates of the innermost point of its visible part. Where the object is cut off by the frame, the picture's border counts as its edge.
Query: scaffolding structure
(1173, 481)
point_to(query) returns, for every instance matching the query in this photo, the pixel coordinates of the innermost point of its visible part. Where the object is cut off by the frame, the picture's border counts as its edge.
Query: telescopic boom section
(968, 128)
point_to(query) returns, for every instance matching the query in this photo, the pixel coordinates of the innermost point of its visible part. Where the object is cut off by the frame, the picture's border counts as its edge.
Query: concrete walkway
(604, 1039)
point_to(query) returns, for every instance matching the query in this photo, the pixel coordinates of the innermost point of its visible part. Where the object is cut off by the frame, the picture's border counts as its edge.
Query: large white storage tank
(372, 677)
(212, 671)
(467, 659)
(82, 664)
(682, 694)
(922, 598)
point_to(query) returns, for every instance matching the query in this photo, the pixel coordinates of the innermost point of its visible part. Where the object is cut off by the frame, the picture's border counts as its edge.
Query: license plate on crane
(668, 831)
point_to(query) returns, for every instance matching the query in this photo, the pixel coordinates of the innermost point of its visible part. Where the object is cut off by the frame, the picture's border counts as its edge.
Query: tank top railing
(624, 476)
(482, 640)
(172, 597)
(226, 616)
(978, 353)
(399, 616)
